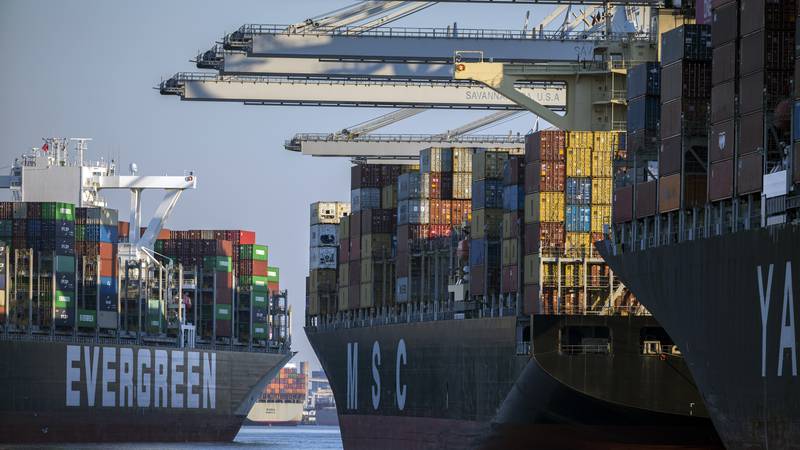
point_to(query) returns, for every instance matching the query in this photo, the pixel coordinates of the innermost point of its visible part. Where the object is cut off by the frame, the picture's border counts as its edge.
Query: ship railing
(89, 339)
(586, 348)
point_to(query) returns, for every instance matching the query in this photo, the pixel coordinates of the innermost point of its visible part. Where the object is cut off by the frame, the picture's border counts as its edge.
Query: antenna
(81, 146)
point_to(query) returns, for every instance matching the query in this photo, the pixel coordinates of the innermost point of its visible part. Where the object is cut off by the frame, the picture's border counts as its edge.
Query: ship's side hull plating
(460, 384)
(728, 301)
(58, 392)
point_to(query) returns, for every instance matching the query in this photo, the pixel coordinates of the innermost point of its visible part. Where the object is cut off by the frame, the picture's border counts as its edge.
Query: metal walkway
(419, 44)
(393, 145)
(270, 90)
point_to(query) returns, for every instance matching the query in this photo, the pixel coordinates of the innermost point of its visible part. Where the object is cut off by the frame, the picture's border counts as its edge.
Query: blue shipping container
(579, 191)
(409, 186)
(107, 302)
(487, 194)
(108, 285)
(579, 219)
(108, 234)
(644, 113)
(65, 281)
(513, 198)
(477, 252)
(444, 157)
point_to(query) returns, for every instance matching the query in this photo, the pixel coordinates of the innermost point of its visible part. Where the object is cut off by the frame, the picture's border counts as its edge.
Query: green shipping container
(273, 274)
(58, 211)
(223, 312)
(260, 299)
(64, 299)
(218, 263)
(260, 330)
(255, 282)
(65, 264)
(154, 315)
(87, 318)
(254, 251)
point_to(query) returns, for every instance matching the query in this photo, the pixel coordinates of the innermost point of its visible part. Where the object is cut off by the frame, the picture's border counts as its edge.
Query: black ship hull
(69, 392)
(462, 384)
(728, 301)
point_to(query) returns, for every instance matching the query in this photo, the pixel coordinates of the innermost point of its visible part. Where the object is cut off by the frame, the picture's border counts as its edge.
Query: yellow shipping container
(510, 252)
(573, 275)
(602, 191)
(578, 244)
(487, 222)
(602, 163)
(579, 162)
(580, 139)
(549, 273)
(343, 298)
(606, 140)
(601, 215)
(544, 207)
(367, 297)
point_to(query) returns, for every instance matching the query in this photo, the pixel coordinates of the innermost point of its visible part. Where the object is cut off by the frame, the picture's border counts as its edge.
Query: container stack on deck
(567, 205)
(685, 87)
(487, 221)
(40, 243)
(324, 256)
(549, 205)
(96, 239)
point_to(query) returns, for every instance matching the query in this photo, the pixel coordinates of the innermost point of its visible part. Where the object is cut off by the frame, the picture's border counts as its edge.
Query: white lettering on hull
(787, 342)
(141, 378)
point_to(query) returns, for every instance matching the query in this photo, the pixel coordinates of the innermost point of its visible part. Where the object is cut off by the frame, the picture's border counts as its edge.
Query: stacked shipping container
(685, 87)
(513, 216)
(96, 239)
(324, 261)
(487, 220)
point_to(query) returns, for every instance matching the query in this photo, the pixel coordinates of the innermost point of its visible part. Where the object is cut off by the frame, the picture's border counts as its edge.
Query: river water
(270, 438)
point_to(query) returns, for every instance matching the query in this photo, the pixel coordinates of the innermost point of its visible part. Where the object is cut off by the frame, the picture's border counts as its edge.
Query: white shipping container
(324, 235)
(401, 290)
(328, 212)
(322, 258)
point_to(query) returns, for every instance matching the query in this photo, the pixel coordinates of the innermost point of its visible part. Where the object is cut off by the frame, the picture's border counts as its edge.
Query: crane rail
(329, 137)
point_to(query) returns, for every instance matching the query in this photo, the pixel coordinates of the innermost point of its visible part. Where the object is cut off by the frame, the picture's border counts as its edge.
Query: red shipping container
(401, 266)
(252, 267)
(437, 231)
(544, 236)
(378, 221)
(344, 250)
(440, 212)
(355, 273)
(510, 279)
(545, 145)
(669, 156)
(514, 170)
(749, 173)
(751, 138)
(273, 287)
(545, 176)
(411, 232)
(355, 227)
(461, 211)
(477, 280)
(720, 180)
(722, 140)
(724, 63)
(123, 229)
(354, 296)
(223, 328)
(623, 205)
(355, 249)
(669, 193)
(646, 197)
(440, 185)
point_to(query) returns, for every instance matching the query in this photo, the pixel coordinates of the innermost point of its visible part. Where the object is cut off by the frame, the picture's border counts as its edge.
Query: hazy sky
(87, 68)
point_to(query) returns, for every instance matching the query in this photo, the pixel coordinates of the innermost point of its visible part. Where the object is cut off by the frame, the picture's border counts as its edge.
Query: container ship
(708, 241)
(460, 303)
(112, 332)
(281, 403)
